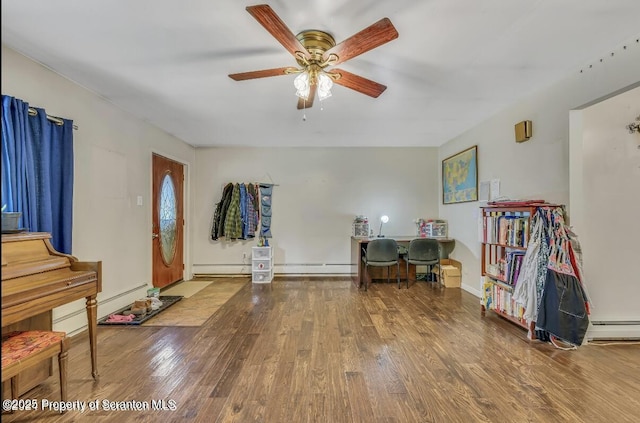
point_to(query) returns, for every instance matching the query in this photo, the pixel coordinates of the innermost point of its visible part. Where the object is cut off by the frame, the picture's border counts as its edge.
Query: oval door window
(168, 217)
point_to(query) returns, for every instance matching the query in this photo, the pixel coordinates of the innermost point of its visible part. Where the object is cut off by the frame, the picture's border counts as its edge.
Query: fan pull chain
(304, 109)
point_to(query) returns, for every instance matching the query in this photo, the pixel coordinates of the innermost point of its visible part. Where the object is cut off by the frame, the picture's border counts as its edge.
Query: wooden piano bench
(21, 350)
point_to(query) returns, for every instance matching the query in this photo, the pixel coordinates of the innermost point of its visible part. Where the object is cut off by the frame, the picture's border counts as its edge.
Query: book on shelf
(499, 299)
(506, 229)
(503, 229)
(513, 262)
(519, 259)
(487, 295)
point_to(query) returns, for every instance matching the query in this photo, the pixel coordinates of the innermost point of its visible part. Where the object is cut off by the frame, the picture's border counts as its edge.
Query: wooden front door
(168, 221)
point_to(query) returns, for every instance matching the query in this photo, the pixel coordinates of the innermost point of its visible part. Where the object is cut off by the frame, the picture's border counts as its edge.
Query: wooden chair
(21, 350)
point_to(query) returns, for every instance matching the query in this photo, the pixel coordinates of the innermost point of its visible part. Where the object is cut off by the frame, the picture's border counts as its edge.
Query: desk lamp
(383, 219)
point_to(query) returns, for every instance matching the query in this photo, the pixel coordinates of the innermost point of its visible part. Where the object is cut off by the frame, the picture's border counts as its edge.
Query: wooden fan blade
(260, 74)
(306, 104)
(369, 38)
(265, 15)
(358, 83)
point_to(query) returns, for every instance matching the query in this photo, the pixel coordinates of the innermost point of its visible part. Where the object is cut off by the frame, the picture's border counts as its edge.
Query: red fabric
(120, 318)
(18, 345)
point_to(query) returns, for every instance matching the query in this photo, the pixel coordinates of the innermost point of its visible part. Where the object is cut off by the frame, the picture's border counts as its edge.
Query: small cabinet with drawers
(261, 264)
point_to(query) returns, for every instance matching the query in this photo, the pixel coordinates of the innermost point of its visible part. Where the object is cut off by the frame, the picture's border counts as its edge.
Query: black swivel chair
(381, 253)
(424, 252)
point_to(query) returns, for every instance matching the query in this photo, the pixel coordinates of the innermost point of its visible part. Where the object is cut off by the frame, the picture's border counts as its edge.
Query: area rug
(167, 301)
(194, 311)
(186, 289)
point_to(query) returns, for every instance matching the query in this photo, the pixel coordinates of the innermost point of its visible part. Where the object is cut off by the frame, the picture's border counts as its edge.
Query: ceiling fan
(315, 51)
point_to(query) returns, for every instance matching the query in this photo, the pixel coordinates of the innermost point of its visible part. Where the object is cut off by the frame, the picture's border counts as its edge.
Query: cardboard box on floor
(451, 273)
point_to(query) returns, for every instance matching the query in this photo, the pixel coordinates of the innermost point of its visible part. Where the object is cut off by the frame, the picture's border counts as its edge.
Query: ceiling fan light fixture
(323, 95)
(303, 85)
(324, 86)
(314, 50)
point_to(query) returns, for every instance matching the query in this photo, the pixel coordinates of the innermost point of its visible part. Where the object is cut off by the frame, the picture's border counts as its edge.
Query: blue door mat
(167, 301)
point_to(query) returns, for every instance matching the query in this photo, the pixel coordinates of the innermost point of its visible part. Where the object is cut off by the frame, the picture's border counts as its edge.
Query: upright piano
(36, 278)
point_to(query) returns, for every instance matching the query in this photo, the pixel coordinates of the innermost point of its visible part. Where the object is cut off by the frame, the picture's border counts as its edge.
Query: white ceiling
(454, 64)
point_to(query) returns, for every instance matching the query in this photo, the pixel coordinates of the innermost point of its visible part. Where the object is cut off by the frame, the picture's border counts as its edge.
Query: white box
(360, 229)
(437, 229)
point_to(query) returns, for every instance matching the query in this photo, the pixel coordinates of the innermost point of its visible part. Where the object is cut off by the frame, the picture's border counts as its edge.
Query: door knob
(154, 236)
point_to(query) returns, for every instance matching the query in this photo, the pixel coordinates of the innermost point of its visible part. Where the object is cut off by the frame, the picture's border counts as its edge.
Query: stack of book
(511, 230)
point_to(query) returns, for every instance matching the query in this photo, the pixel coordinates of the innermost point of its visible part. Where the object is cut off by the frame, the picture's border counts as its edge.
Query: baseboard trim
(293, 268)
(327, 276)
(76, 321)
(613, 332)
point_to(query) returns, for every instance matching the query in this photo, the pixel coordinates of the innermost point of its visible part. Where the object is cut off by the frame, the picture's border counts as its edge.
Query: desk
(358, 243)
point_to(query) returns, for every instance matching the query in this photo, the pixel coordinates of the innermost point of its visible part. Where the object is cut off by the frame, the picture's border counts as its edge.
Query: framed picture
(460, 177)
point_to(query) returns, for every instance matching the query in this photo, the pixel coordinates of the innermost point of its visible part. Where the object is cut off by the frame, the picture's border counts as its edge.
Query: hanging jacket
(243, 210)
(215, 226)
(255, 200)
(228, 191)
(252, 216)
(233, 222)
(217, 229)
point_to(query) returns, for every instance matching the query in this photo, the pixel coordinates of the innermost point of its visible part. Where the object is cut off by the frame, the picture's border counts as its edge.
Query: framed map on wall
(460, 177)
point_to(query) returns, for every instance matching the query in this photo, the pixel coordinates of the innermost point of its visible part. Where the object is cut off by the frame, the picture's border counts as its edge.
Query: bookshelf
(505, 236)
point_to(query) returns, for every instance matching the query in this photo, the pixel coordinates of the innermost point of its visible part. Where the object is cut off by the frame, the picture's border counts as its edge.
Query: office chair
(424, 252)
(381, 252)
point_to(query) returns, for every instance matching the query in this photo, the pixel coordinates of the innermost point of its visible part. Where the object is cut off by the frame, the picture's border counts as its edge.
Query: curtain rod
(58, 121)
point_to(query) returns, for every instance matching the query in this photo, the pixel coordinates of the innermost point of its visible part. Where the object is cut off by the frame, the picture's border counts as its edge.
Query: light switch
(139, 200)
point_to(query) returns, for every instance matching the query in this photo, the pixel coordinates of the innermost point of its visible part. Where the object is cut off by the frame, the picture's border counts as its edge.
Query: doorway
(167, 236)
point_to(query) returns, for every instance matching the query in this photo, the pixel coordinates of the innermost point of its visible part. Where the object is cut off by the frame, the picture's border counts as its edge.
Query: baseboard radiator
(76, 321)
(278, 268)
(614, 330)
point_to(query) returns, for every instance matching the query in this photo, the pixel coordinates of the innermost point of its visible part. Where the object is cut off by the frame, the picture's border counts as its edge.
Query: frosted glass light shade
(324, 86)
(302, 85)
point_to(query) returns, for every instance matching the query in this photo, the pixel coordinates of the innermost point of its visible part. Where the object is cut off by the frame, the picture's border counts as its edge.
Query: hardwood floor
(311, 350)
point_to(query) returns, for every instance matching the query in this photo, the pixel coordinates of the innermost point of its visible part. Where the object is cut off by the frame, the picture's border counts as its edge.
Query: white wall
(605, 198)
(319, 192)
(538, 168)
(112, 167)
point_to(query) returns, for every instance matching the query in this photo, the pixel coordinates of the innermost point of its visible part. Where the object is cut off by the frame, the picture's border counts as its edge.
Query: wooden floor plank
(320, 350)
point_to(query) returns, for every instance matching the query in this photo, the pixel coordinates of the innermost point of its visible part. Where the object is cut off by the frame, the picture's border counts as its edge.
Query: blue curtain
(37, 162)
(18, 173)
